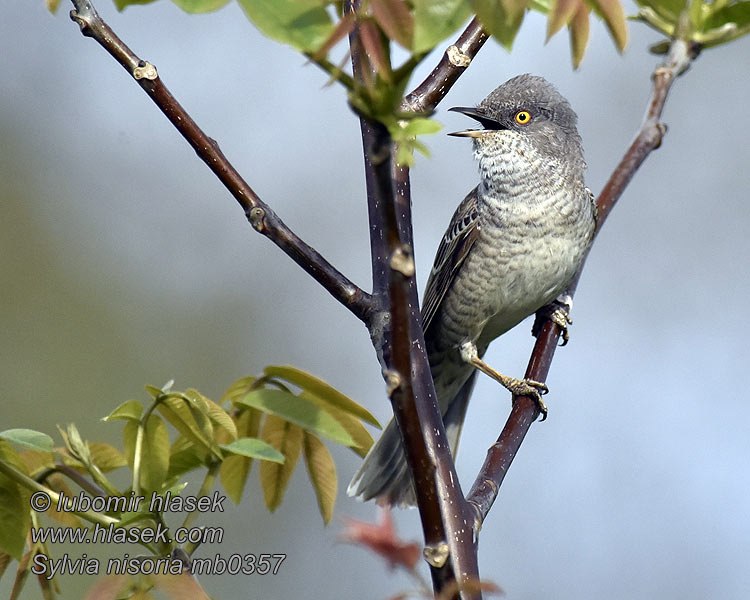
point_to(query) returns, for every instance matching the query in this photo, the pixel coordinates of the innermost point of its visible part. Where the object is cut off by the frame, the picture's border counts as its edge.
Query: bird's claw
(558, 313)
(534, 390)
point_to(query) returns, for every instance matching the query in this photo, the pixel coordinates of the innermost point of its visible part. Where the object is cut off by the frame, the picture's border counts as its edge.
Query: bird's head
(525, 116)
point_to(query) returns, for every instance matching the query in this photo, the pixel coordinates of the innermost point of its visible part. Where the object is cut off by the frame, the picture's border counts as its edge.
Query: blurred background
(124, 262)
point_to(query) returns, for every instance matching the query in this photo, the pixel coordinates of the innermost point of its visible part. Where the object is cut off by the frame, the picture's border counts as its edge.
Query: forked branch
(525, 411)
(260, 215)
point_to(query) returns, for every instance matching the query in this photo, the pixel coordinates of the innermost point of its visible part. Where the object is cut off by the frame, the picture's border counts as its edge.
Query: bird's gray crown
(534, 94)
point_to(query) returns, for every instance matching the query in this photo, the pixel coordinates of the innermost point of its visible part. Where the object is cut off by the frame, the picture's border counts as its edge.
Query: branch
(525, 410)
(449, 544)
(261, 216)
(455, 60)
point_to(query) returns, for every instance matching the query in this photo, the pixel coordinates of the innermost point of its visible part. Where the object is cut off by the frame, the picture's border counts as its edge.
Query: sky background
(124, 262)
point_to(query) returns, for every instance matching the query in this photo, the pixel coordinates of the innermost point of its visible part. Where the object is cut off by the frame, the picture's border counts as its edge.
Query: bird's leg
(517, 387)
(557, 311)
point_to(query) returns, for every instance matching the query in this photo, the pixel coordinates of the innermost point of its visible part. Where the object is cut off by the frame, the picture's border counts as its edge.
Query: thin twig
(260, 215)
(525, 410)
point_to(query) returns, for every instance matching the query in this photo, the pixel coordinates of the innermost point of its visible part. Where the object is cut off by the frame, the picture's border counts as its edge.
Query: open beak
(474, 113)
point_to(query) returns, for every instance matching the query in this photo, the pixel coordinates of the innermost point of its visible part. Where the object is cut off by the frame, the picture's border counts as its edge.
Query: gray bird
(512, 247)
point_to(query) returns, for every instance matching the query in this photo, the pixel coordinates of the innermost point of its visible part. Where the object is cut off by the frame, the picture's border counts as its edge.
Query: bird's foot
(518, 387)
(557, 311)
(533, 389)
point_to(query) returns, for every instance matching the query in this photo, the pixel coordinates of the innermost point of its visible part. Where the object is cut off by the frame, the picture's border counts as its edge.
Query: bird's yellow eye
(522, 117)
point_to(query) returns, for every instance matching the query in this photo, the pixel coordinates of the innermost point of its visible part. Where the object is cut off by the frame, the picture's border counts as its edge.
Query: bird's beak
(487, 123)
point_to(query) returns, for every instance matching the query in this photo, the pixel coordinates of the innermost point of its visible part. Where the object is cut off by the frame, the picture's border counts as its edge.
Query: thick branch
(260, 215)
(400, 345)
(525, 410)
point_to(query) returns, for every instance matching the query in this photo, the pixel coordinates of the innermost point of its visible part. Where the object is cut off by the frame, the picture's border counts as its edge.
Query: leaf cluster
(315, 27)
(702, 23)
(273, 419)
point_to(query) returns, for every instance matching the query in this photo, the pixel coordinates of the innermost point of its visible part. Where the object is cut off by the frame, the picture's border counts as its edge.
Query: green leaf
(36, 462)
(14, 506)
(613, 16)
(293, 22)
(182, 416)
(561, 13)
(106, 457)
(235, 469)
(184, 456)
(421, 126)
(435, 20)
(322, 471)
(155, 454)
(300, 412)
(286, 437)
(320, 388)
(237, 390)
(214, 412)
(34, 440)
(362, 438)
(121, 4)
(737, 13)
(667, 9)
(200, 6)
(58, 484)
(132, 409)
(254, 448)
(502, 18)
(579, 33)
(129, 436)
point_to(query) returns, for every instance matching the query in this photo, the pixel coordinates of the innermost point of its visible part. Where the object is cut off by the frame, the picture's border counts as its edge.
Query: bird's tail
(384, 473)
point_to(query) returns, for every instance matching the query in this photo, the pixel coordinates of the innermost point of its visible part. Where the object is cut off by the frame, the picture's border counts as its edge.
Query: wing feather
(453, 249)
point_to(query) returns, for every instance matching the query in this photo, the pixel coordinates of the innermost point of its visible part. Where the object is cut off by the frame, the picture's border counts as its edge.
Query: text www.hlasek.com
(110, 534)
(113, 532)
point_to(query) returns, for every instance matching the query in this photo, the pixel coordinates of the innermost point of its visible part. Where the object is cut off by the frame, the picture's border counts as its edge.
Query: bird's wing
(453, 249)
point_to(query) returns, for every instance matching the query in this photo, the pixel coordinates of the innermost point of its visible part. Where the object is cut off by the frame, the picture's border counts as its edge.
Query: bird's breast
(527, 252)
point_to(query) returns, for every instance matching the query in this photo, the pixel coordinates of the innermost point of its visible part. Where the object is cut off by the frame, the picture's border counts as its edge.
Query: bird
(512, 248)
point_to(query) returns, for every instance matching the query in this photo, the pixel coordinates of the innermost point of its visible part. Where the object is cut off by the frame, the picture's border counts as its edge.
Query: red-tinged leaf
(373, 45)
(395, 20)
(579, 33)
(343, 28)
(560, 14)
(613, 15)
(381, 538)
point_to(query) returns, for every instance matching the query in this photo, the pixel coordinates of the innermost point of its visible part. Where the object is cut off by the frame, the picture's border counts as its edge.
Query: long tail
(384, 473)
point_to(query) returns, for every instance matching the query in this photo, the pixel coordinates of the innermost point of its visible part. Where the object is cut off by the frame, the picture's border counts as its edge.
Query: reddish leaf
(381, 538)
(395, 20)
(373, 45)
(342, 29)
